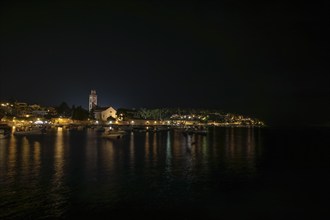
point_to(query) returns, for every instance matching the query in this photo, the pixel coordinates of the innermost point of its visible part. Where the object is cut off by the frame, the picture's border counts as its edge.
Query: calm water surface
(249, 173)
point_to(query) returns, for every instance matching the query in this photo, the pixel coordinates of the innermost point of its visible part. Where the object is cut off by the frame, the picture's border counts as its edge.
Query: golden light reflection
(36, 159)
(178, 142)
(56, 193)
(3, 156)
(154, 147)
(168, 159)
(189, 141)
(230, 142)
(12, 158)
(249, 141)
(204, 148)
(240, 145)
(132, 151)
(58, 158)
(107, 155)
(190, 157)
(147, 148)
(168, 154)
(251, 150)
(215, 142)
(25, 157)
(91, 154)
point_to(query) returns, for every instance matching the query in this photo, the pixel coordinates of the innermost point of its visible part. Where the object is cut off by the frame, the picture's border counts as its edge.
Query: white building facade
(108, 112)
(103, 114)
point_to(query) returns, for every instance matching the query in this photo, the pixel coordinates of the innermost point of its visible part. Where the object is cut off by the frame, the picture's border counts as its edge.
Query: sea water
(246, 173)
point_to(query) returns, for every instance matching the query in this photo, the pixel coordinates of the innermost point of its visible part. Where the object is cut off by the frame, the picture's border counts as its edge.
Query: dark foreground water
(231, 173)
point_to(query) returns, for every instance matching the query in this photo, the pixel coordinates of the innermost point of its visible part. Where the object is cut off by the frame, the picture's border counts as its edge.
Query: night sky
(266, 60)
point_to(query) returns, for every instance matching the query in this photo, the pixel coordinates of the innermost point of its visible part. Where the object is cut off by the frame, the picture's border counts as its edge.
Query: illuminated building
(103, 113)
(92, 100)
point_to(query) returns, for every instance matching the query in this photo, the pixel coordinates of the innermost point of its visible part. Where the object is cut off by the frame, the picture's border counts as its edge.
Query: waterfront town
(17, 114)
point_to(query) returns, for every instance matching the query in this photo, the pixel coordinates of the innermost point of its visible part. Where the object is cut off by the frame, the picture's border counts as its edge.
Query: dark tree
(63, 109)
(125, 114)
(79, 113)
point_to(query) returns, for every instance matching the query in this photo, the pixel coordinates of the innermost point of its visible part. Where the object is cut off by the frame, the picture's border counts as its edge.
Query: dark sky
(267, 60)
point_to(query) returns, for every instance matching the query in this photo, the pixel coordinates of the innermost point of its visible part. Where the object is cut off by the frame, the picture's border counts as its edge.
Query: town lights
(38, 122)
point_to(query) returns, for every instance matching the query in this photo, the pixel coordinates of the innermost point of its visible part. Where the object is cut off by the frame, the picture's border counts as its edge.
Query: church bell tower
(92, 100)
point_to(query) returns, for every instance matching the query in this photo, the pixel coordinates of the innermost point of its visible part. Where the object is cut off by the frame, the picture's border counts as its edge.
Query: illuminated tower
(92, 100)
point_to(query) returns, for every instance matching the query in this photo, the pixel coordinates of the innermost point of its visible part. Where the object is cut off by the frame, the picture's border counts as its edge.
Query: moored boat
(3, 134)
(5, 131)
(195, 130)
(31, 130)
(113, 134)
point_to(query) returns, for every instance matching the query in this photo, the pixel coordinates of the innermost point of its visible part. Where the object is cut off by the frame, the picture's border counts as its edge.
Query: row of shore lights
(148, 122)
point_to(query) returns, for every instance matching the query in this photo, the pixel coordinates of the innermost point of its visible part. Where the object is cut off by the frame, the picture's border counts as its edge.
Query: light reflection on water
(58, 190)
(240, 151)
(168, 160)
(36, 159)
(131, 152)
(12, 161)
(72, 170)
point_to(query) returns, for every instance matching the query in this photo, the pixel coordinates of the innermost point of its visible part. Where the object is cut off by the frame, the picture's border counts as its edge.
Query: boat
(30, 130)
(162, 128)
(4, 134)
(113, 134)
(195, 130)
(100, 129)
(5, 131)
